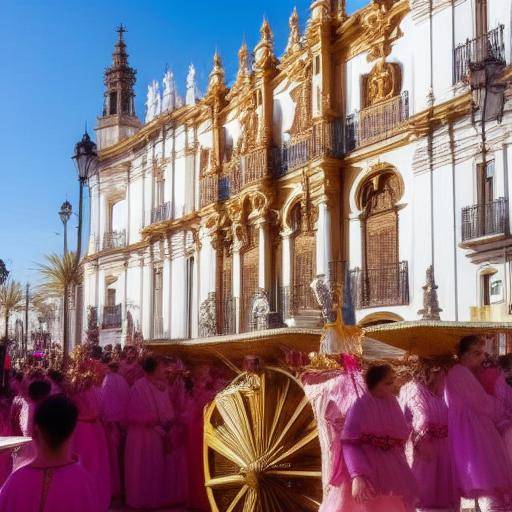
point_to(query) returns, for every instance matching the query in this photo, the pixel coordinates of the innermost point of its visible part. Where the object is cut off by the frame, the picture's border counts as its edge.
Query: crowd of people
(446, 436)
(125, 423)
(122, 427)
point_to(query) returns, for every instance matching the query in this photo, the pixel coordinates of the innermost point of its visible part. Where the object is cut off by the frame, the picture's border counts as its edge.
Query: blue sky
(52, 61)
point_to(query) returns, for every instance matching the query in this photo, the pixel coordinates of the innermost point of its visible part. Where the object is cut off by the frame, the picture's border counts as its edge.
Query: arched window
(380, 220)
(383, 279)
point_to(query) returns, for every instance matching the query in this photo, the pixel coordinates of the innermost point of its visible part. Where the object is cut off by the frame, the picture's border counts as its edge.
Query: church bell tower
(118, 120)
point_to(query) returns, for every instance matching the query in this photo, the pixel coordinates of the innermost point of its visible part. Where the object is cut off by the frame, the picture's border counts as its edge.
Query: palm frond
(58, 273)
(11, 297)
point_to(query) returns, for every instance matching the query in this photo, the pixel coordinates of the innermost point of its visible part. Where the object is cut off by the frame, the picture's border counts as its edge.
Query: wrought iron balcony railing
(384, 286)
(377, 122)
(224, 192)
(296, 298)
(114, 239)
(112, 317)
(481, 220)
(161, 212)
(209, 190)
(489, 47)
(324, 140)
(158, 327)
(226, 316)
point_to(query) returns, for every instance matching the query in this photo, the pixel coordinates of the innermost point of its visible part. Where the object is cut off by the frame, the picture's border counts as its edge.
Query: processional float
(268, 434)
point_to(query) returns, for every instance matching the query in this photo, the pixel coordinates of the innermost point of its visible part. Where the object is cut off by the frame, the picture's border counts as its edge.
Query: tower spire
(118, 120)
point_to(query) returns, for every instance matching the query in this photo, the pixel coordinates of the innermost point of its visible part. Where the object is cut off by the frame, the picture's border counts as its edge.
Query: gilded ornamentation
(382, 83)
(240, 426)
(302, 95)
(293, 45)
(264, 51)
(249, 125)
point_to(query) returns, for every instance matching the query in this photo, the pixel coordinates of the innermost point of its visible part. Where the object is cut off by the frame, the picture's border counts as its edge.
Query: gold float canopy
(268, 344)
(430, 338)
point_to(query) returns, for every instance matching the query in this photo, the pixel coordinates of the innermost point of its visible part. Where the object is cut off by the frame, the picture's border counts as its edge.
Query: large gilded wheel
(261, 448)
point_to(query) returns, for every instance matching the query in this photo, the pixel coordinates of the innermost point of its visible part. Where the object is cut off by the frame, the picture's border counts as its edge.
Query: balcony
(324, 140)
(161, 213)
(384, 286)
(112, 317)
(475, 53)
(114, 239)
(296, 298)
(484, 221)
(209, 190)
(226, 316)
(377, 122)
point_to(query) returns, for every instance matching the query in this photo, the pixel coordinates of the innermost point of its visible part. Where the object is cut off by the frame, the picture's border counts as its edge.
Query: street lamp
(85, 158)
(65, 214)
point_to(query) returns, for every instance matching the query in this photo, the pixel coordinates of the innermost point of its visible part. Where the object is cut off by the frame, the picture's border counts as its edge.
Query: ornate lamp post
(85, 158)
(65, 214)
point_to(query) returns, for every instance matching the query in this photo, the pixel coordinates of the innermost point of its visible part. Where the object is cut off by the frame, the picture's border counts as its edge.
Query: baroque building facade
(373, 154)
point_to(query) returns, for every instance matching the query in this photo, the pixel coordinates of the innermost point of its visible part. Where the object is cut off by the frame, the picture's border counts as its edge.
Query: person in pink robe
(179, 392)
(90, 440)
(54, 481)
(37, 391)
(114, 402)
(422, 400)
(374, 437)
(130, 367)
(476, 420)
(331, 394)
(207, 382)
(148, 467)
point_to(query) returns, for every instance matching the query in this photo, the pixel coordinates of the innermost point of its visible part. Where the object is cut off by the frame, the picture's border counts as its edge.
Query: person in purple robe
(374, 437)
(425, 410)
(476, 421)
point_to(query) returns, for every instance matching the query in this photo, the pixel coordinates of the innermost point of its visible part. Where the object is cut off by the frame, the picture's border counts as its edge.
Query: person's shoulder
(15, 479)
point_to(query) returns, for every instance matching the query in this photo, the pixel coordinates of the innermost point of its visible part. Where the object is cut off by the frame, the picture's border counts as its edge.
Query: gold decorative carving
(382, 83)
(373, 29)
(294, 44)
(264, 51)
(302, 95)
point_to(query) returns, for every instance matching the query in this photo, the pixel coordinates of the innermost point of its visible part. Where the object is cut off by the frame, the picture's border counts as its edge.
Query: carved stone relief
(208, 317)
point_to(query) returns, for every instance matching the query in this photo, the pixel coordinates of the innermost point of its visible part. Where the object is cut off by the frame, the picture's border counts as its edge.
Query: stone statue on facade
(260, 309)
(169, 94)
(431, 307)
(324, 296)
(208, 317)
(153, 101)
(193, 93)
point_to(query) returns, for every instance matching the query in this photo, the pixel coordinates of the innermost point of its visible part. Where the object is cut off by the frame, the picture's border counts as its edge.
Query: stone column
(167, 295)
(128, 206)
(264, 271)
(236, 283)
(323, 239)
(147, 292)
(123, 300)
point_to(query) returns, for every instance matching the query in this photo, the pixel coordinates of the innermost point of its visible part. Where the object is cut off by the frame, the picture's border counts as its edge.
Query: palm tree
(60, 275)
(11, 300)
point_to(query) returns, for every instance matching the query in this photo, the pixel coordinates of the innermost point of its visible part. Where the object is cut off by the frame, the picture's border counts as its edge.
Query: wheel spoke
(294, 473)
(297, 446)
(221, 481)
(237, 498)
(303, 403)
